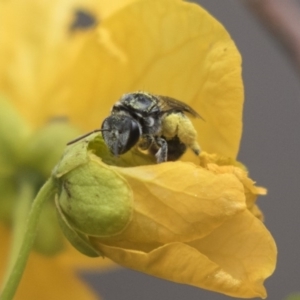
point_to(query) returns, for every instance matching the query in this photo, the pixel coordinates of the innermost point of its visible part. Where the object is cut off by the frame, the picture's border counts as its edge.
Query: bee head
(120, 133)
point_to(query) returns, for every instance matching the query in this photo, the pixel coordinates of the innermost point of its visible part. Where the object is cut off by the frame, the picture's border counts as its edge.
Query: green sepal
(49, 239)
(77, 239)
(96, 199)
(93, 196)
(73, 156)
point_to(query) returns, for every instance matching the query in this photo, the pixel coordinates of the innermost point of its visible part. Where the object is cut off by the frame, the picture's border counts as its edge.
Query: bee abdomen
(175, 149)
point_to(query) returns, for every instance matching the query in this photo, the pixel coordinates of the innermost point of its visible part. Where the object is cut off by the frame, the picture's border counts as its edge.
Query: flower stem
(20, 215)
(19, 260)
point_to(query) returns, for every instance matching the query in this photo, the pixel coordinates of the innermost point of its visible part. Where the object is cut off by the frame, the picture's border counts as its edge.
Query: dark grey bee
(151, 122)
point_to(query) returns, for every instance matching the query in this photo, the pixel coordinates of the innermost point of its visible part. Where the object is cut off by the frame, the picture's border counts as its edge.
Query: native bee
(151, 122)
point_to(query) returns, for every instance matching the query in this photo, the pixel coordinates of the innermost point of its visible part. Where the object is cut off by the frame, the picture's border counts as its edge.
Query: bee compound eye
(133, 134)
(106, 125)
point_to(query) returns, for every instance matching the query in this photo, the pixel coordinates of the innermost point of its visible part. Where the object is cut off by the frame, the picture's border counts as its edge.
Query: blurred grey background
(270, 149)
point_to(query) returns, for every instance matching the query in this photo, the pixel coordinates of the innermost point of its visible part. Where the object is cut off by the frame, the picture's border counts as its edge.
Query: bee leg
(162, 153)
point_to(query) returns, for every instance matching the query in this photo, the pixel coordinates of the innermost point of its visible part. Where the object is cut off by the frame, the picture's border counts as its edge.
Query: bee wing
(168, 103)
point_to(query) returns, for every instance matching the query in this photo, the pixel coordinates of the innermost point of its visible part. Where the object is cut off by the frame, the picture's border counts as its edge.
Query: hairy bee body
(151, 122)
(164, 129)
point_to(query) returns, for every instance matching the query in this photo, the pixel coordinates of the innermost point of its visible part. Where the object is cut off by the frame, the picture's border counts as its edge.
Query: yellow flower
(190, 223)
(179, 221)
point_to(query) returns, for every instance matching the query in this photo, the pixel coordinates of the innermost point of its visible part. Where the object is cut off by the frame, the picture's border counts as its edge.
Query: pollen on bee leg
(170, 125)
(188, 134)
(195, 148)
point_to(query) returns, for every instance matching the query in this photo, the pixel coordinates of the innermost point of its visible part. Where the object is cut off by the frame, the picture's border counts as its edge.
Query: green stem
(10, 286)
(20, 215)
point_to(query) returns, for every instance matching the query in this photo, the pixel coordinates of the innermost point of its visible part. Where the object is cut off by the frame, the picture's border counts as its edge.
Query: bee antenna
(85, 135)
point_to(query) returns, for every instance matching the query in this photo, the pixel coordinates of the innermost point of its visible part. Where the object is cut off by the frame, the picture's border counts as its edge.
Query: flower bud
(13, 132)
(93, 199)
(42, 153)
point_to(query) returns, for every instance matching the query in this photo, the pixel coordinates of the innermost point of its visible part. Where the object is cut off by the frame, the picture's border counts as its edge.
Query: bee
(151, 122)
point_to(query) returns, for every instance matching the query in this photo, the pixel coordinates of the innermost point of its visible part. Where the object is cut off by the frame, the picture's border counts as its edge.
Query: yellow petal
(243, 248)
(191, 225)
(251, 191)
(229, 165)
(106, 8)
(234, 260)
(36, 49)
(166, 47)
(183, 52)
(171, 207)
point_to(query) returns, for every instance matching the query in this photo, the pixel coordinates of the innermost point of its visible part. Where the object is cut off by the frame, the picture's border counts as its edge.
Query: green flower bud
(44, 147)
(26, 159)
(93, 199)
(13, 132)
(96, 199)
(49, 238)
